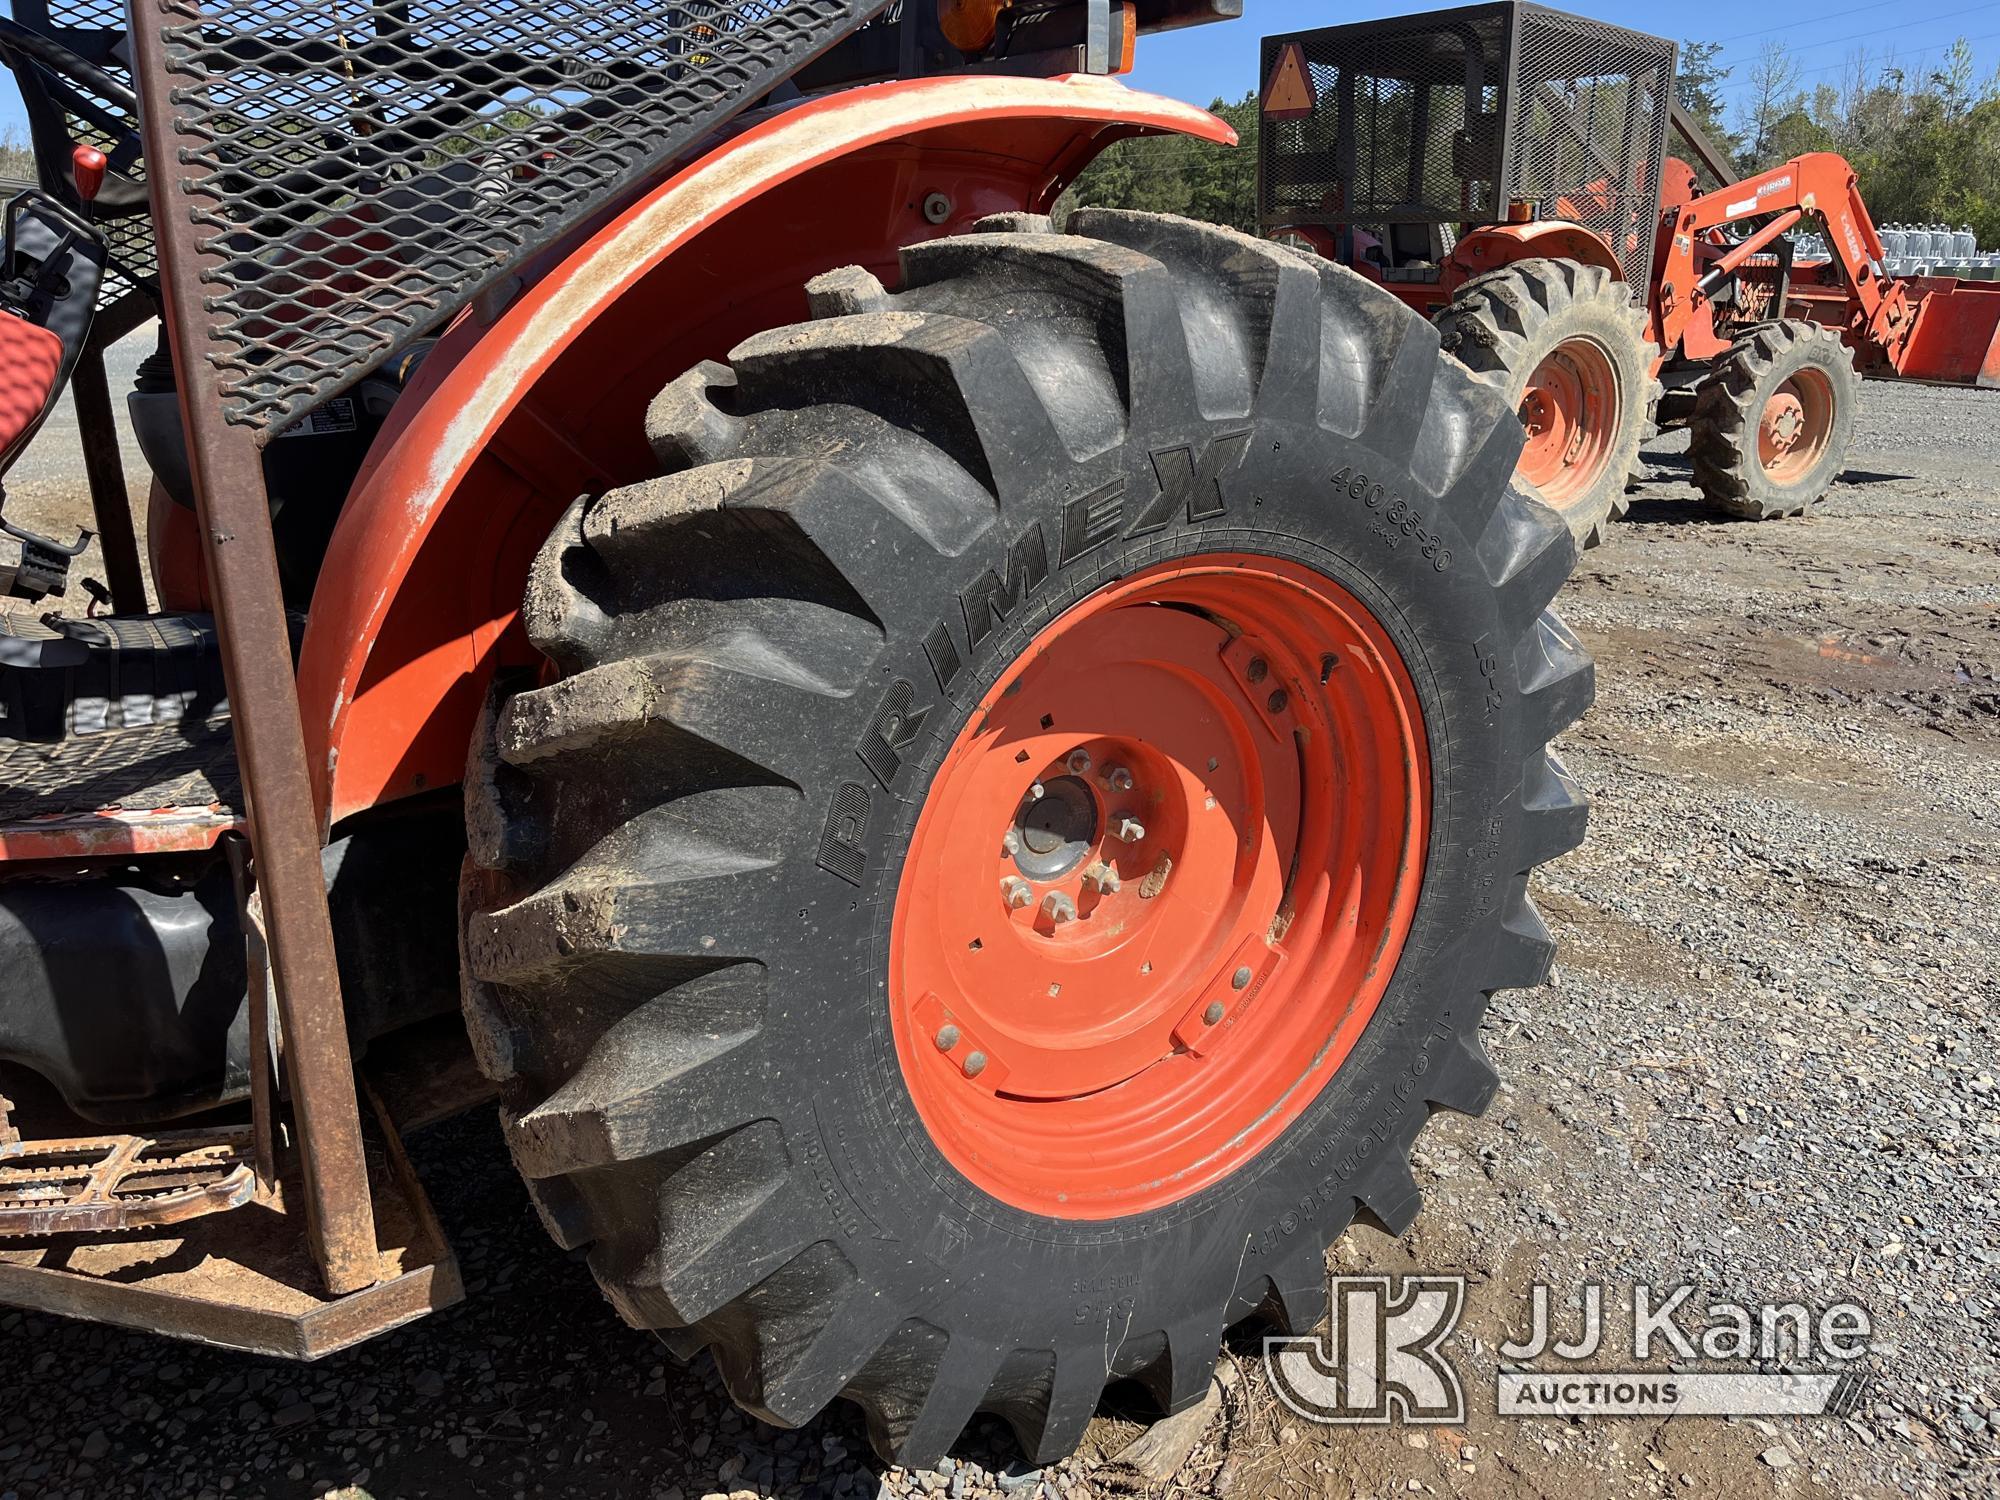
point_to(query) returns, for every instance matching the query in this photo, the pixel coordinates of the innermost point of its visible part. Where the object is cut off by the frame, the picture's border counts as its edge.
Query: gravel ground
(1764, 1067)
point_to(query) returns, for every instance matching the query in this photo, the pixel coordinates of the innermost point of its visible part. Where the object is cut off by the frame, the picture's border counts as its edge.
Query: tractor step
(249, 1280)
(102, 1184)
(114, 737)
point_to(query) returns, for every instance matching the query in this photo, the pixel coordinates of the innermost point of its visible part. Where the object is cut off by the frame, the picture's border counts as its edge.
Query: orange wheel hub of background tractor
(1795, 426)
(1571, 411)
(1159, 885)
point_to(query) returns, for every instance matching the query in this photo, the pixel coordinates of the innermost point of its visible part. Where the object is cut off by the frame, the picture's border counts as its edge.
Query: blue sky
(1206, 61)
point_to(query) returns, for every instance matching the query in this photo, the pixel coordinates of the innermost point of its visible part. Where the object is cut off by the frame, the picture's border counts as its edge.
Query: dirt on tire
(676, 971)
(1511, 323)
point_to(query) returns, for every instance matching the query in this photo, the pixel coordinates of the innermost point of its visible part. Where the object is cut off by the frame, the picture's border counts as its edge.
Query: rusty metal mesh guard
(363, 169)
(1590, 105)
(130, 236)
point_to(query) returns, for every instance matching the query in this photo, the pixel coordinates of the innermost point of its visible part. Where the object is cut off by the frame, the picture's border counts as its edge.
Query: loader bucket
(1957, 335)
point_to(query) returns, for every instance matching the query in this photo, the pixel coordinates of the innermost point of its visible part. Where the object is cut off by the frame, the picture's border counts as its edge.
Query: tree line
(1924, 140)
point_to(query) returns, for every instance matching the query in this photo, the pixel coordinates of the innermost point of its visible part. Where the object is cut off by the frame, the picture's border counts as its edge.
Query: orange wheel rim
(1795, 427)
(1159, 885)
(1570, 410)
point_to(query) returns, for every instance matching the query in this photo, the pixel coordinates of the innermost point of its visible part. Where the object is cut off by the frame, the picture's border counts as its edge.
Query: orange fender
(1495, 245)
(521, 408)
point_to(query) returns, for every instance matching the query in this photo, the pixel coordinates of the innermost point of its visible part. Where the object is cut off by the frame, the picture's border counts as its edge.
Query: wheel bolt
(1011, 841)
(1058, 908)
(1118, 779)
(975, 1064)
(1102, 879)
(1079, 761)
(1015, 892)
(1240, 979)
(947, 1038)
(1277, 701)
(1130, 830)
(1213, 1014)
(1257, 669)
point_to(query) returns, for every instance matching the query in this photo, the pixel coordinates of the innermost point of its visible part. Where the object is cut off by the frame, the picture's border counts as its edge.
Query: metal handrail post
(227, 464)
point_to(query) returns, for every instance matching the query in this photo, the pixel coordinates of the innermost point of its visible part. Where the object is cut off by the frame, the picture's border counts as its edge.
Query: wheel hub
(1570, 410)
(1795, 426)
(1055, 827)
(1158, 885)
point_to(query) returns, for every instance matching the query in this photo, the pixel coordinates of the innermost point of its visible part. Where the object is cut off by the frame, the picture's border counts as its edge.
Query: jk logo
(1380, 1357)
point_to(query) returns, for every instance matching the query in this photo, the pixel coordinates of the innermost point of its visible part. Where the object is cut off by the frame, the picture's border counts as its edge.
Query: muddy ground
(1765, 1066)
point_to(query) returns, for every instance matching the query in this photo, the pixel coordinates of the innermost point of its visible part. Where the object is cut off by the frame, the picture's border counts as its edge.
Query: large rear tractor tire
(1035, 802)
(1566, 345)
(1773, 419)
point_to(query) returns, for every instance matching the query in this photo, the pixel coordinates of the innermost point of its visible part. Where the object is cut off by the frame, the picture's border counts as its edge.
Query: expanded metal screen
(62, 110)
(1449, 117)
(1404, 126)
(1590, 105)
(364, 169)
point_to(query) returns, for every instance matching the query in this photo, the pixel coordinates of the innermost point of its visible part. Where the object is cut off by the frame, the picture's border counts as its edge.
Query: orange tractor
(1503, 169)
(965, 781)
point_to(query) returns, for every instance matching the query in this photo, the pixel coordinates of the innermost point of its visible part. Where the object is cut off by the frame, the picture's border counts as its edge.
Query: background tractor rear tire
(1773, 419)
(691, 882)
(1566, 344)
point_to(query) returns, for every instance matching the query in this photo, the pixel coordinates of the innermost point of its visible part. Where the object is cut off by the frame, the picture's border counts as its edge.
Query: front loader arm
(1696, 266)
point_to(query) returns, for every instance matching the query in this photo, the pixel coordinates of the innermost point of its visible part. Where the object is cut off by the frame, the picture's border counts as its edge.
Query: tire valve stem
(1015, 892)
(1058, 908)
(1130, 830)
(1101, 878)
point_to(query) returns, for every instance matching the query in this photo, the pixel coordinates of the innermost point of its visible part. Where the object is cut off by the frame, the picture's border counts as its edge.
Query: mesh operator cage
(1447, 118)
(363, 168)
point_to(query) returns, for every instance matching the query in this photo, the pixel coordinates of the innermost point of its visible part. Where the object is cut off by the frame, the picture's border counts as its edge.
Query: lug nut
(1058, 908)
(1011, 841)
(1079, 761)
(1213, 1014)
(1035, 792)
(1240, 979)
(1102, 879)
(975, 1064)
(1118, 779)
(947, 1038)
(1130, 830)
(1015, 892)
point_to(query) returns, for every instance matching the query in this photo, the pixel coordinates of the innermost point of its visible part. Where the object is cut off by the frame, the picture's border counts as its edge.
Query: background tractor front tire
(1773, 419)
(1566, 344)
(1038, 796)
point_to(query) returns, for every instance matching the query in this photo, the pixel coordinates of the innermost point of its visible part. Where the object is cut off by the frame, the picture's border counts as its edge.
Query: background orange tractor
(969, 779)
(1504, 169)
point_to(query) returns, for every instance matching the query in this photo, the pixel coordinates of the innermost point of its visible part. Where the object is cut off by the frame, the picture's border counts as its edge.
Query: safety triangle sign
(1288, 92)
